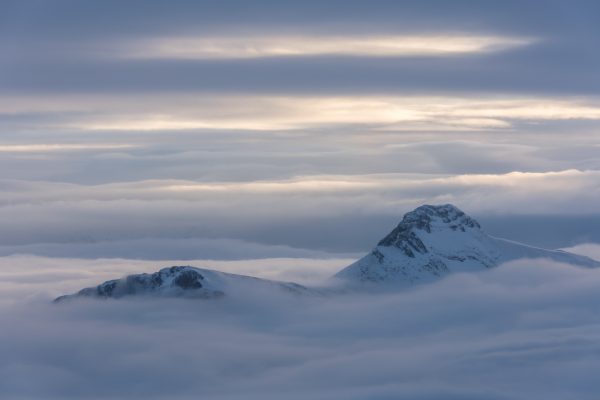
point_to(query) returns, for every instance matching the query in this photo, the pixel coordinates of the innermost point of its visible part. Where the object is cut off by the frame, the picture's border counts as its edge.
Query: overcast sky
(234, 130)
(282, 140)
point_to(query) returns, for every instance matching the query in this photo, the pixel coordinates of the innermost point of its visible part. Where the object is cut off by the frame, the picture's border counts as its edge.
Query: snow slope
(433, 241)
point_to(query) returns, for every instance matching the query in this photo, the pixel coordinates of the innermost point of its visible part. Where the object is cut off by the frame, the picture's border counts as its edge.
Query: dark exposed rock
(378, 255)
(405, 239)
(189, 279)
(107, 289)
(435, 267)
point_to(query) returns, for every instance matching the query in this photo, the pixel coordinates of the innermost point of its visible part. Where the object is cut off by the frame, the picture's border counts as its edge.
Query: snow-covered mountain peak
(433, 241)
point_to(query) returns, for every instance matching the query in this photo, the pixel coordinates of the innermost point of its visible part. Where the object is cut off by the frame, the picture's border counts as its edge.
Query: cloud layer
(160, 219)
(524, 330)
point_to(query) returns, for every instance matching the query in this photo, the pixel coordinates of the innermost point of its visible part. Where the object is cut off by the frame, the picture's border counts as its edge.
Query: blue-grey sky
(271, 128)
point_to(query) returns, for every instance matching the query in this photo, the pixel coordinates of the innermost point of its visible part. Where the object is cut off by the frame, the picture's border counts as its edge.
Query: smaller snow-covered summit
(182, 281)
(433, 241)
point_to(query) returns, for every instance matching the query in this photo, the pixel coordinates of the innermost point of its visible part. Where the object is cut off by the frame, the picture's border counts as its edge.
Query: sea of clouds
(527, 329)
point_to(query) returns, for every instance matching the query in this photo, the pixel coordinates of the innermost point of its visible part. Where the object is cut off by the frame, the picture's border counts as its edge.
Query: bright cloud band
(202, 47)
(413, 113)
